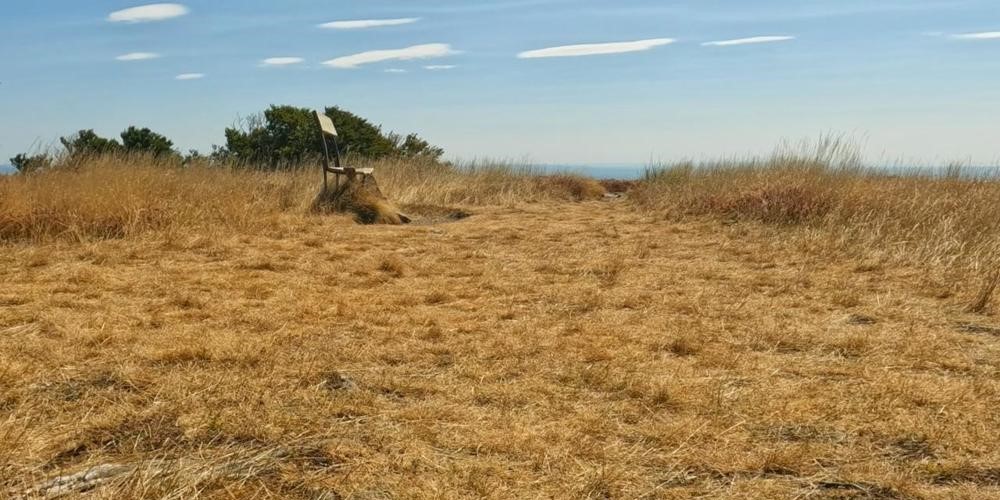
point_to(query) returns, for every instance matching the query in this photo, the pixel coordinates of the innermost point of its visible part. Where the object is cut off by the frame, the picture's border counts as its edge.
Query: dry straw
(121, 196)
(945, 223)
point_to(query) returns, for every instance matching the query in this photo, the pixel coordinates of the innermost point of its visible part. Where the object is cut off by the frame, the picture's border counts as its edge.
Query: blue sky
(912, 80)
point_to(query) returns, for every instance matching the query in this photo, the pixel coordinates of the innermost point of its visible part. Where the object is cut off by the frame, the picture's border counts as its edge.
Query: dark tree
(358, 136)
(412, 146)
(86, 142)
(145, 141)
(26, 164)
(286, 135)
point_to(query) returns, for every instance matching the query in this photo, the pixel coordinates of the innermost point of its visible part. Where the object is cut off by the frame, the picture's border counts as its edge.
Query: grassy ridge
(825, 199)
(946, 224)
(117, 196)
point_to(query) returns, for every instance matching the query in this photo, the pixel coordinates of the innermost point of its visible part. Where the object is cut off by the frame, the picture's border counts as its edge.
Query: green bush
(145, 141)
(285, 135)
(281, 136)
(26, 164)
(86, 142)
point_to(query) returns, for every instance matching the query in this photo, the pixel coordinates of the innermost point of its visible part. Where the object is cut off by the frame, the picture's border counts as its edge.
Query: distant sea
(632, 172)
(6, 170)
(625, 172)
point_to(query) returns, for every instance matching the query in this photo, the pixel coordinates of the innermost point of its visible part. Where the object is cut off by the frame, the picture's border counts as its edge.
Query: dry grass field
(781, 330)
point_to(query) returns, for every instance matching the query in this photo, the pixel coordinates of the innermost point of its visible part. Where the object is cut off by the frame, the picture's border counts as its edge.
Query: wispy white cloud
(395, 70)
(282, 61)
(138, 56)
(427, 51)
(190, 76)
(368, 23)
(986, 35)
(440, 67)
(594, 49)
(748, 41)
(149, 13)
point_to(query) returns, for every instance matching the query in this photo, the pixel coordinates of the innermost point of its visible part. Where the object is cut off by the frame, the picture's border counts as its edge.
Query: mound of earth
(361, 196)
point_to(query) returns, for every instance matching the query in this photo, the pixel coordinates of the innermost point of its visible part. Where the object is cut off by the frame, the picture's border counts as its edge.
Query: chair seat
(348, 170)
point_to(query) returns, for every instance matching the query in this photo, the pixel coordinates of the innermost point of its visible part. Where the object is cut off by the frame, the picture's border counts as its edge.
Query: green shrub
(285, 135)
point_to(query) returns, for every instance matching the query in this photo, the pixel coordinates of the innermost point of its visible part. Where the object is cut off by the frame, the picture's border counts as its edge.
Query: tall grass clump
(939, 222)
(115, 196)
(121, 195)
(408, 181)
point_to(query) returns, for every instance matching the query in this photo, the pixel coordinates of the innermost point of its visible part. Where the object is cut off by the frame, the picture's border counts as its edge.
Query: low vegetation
(789, 327)
(943, 223)
(279, 138)
(121, 195)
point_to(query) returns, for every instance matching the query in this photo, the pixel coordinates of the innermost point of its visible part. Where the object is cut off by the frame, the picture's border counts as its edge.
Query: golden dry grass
(946, 226)
(540, 349)
(123, 196)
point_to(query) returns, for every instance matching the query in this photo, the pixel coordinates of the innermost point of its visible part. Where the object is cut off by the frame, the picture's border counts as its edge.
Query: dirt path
(544, 351)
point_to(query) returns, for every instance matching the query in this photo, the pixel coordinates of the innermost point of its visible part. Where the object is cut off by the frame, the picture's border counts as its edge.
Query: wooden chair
(327, 129)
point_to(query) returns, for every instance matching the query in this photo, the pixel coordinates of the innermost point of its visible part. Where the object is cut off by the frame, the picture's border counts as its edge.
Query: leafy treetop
(280, 136)
(287, 135)
(145, 141)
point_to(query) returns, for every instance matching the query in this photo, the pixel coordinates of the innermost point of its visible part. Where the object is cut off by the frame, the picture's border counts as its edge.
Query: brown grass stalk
(947, 224)
(985, 295)
(120, 196)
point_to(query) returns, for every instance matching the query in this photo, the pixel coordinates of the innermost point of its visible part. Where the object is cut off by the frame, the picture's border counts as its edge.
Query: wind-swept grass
(117, 196)
(945, 223)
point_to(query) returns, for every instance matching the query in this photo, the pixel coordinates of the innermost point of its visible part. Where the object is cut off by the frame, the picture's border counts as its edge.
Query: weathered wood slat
(349, 170)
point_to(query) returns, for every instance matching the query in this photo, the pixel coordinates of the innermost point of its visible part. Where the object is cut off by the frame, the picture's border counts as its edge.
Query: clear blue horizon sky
(911, 80)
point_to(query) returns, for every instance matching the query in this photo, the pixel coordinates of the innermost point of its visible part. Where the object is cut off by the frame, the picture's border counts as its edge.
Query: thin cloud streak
(368, 23)
(987, 35)
(138, 56)
(748, 41)
(149, 13)
(427, 51)
(282, 61)
(190, 76)
(440, 67)
(594, 49)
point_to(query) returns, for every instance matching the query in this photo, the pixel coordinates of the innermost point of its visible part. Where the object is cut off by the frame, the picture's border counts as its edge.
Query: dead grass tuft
(682, 346)
(114, 197)
(826, 201)
(362, 198)
(985, 295)
(393, 266)
(577, 188)
(970, 474)
(618, 186)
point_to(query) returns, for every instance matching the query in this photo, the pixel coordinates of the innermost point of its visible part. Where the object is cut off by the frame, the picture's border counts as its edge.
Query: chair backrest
(326, 124)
